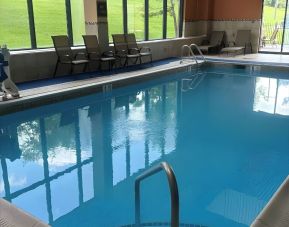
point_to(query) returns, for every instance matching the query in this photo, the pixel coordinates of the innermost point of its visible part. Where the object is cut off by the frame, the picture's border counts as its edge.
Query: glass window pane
(50, 19)
(286, 35)
(78, 23)
(135, 17)
(272, 26)
(115, 17)
(14, 29)
(155, 19)
(173, 18)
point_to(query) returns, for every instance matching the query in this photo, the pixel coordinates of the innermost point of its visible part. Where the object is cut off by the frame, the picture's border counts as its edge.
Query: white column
(95, 14)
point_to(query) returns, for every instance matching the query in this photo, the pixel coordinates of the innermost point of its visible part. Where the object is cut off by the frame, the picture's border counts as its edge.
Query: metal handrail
(198, 49)
(173, 190)
(190, 53)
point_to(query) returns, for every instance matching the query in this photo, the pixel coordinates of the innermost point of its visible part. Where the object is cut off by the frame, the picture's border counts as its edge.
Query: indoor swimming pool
(224, 132)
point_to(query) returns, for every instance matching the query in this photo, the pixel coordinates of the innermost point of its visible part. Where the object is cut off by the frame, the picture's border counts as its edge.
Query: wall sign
(101, 9)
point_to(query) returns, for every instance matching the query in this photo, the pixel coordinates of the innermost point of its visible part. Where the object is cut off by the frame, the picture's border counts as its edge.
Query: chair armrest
(231, 44)
(108, 54)
(82, 54)
(147, 49)
(93, 55)
(121, 52)
(134, 50)
(66, 57)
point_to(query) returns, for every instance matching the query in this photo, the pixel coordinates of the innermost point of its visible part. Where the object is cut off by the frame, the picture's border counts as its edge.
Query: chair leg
(55, 70)
(136, 60)
(71, 68)
(140, 61)
(85, 67)
(99, 66)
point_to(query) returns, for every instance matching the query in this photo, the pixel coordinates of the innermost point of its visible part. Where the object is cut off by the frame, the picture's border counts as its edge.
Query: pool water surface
(226, 136)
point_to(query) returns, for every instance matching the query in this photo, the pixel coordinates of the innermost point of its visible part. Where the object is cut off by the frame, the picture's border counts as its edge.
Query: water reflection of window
(119, 165)
(283, 98)
(64, 200)
(171, 107)
(119, 137)
(137, 131)
(271, 96)
(137, 156)
(29, 169)
(60, 134)
(87, 179)
(85, 133)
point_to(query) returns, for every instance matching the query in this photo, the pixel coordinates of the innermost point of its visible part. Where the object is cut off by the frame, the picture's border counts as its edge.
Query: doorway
(275, 27)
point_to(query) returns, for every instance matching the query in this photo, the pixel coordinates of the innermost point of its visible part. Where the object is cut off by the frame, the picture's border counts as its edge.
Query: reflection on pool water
(226, 136)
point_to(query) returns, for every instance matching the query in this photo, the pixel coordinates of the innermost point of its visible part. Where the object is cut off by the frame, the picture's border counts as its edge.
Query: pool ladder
(191, 56)
(163, 166)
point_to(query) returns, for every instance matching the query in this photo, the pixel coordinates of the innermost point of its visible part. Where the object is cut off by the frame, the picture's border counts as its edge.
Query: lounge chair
(134, 49)
(94, 53)
(65, 54)
(272, 40)
(242, 43)
(215, 43)
(121, 49)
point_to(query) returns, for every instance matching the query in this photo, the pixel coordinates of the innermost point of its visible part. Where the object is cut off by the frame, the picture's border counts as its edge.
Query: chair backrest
(131, 41)
(91, 44)
(119, 42)
(62, 46)
(243, 37)
(274, 34)
(217, 38)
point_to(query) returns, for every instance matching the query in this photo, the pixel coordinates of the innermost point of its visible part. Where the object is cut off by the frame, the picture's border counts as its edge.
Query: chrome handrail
(173, 190)
(198, 49)
(191, 53)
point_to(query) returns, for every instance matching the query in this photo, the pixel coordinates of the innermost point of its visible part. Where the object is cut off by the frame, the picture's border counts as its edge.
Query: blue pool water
(226, 135)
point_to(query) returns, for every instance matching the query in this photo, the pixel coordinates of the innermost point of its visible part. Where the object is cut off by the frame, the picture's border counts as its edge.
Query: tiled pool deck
(35, 93)
(263, 59)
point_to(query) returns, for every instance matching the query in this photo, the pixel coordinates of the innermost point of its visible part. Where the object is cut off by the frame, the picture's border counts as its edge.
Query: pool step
(159, 224)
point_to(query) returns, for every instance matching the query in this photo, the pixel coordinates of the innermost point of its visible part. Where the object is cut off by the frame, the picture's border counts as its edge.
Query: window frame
(33, 35)
(146, 19)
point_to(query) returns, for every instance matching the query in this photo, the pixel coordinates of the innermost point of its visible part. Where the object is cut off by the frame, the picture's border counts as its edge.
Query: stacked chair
(126, 48)
(133, 47)
(214, 44)
(94, 53)
(65, 54)
(241, 43)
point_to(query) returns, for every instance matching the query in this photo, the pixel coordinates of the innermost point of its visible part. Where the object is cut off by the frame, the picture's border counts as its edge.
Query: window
(78, 23)
(31, 23)
(14, 30)
(135, 14)
(172, 18)
(148, 19)
(155, 19)
(275, 27)
(115, 17)
(50, 19)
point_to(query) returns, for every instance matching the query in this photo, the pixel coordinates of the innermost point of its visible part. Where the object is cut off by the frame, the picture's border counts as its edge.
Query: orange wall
(223, 10)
